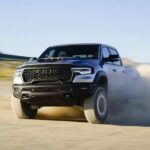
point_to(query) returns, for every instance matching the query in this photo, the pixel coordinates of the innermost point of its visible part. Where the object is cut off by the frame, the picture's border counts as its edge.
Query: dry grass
(7, 68)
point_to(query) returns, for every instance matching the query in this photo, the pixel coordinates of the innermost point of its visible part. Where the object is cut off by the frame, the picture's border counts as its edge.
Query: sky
(28, 27)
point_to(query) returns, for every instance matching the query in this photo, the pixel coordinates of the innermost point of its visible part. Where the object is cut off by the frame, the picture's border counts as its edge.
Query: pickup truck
(91, 76)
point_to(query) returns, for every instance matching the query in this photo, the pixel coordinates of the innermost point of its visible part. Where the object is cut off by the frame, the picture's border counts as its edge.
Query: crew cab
(87, 75)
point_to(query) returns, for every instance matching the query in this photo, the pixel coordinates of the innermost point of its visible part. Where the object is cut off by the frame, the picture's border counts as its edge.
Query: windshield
(81, 52)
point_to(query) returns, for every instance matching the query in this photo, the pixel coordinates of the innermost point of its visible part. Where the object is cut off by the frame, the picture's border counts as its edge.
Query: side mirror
(104, 60)
(32, 59)
(111, 58)
(114, 58)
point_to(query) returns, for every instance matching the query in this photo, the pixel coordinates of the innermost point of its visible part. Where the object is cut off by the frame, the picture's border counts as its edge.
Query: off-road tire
(96, 106)
(21, 109)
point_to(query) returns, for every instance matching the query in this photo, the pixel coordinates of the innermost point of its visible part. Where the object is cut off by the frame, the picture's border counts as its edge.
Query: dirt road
(47, 134)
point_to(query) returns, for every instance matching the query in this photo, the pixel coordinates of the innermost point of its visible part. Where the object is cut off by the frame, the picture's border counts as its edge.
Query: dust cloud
(135, 110)
(61, 113)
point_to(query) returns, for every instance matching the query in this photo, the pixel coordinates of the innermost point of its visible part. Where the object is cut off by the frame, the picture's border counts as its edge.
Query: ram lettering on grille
(52, 74)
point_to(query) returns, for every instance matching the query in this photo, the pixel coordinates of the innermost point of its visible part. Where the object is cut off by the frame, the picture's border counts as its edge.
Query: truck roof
(78, 44)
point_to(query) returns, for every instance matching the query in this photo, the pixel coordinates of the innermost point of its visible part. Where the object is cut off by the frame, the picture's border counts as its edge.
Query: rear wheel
(96, 107)
(21, 109)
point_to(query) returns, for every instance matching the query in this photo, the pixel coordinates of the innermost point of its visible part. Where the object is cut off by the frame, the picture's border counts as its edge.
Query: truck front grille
(47, 74)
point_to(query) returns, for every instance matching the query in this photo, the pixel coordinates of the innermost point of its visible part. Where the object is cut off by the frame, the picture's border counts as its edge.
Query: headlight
(82, 70)
(18, 72)
(18, 77)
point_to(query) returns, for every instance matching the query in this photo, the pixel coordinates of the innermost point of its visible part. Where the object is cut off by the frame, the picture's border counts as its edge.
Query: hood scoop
(52, 59)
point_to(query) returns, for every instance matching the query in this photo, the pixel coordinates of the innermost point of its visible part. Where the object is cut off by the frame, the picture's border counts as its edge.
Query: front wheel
(96, 107)
(21, 109)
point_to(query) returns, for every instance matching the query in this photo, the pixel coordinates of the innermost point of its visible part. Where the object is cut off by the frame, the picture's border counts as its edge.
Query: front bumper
(54, 95)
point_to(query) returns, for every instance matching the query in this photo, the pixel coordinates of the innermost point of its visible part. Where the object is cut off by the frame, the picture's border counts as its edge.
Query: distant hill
(13, 57)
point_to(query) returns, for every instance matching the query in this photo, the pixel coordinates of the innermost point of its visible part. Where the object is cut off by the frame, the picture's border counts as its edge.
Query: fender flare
(99, 76)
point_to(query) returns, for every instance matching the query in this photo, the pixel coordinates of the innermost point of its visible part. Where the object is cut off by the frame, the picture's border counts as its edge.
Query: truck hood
(72, 62)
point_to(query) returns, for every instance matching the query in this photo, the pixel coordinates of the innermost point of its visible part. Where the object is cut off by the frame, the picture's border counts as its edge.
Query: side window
(106, 53)
(114, 52)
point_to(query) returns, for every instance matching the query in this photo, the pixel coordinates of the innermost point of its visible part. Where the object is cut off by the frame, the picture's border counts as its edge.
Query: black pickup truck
(86, 75)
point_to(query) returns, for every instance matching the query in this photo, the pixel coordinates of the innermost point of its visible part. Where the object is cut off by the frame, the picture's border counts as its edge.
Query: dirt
(44, 133)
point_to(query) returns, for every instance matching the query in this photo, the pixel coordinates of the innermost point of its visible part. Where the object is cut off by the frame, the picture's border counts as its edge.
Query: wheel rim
(101, 105)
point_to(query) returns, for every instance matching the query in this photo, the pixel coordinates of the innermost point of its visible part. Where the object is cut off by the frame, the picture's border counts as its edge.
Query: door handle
(114, 70)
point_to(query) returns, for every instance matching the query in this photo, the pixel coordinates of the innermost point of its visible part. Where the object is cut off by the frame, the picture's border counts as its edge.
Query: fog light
(25, 96)
(16, 90)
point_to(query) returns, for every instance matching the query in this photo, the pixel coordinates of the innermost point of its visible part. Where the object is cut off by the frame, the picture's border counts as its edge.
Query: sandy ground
(46, 134)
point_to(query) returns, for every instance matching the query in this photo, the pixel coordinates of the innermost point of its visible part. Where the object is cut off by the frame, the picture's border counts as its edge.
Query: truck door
(119, 73)
(116, 74)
